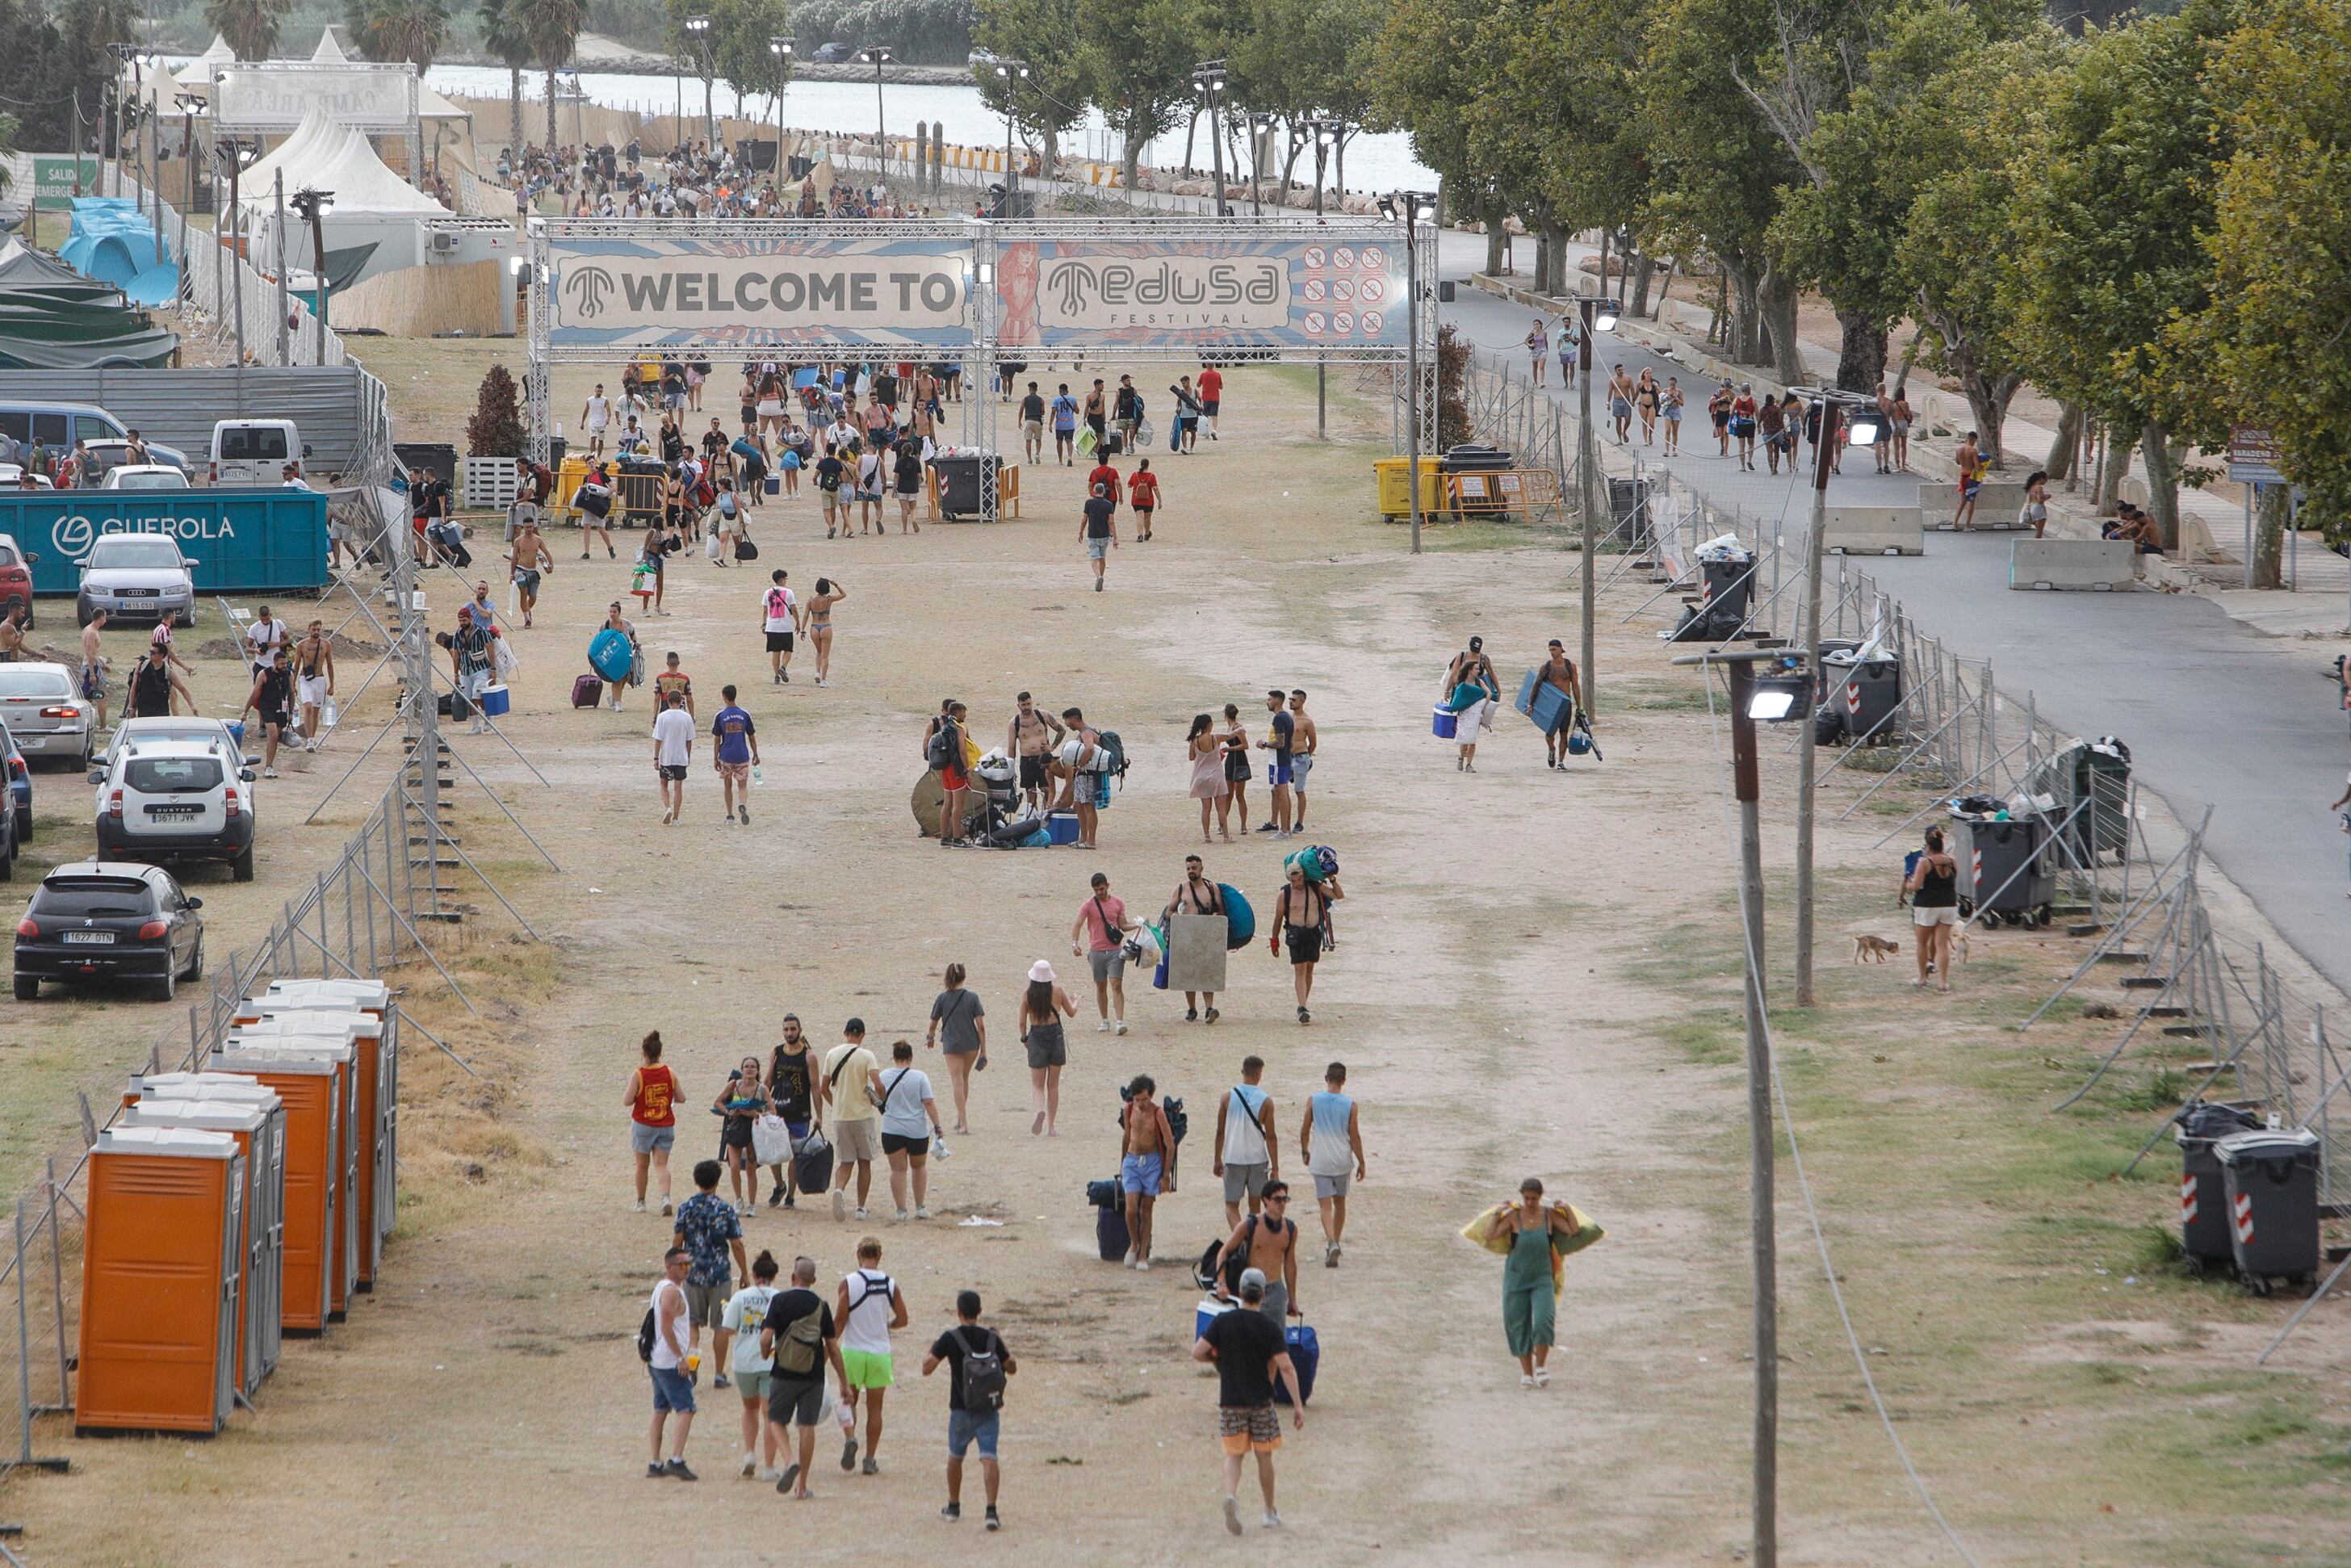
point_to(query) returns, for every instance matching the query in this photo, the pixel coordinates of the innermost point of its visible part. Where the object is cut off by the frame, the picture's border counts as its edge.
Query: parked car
(57, 425)
(255, 451)
(12, 478)
(109, 454)
(43, 707)
(104, 920)
(178, 802)
(835, 53)
(144, 477)
(11, 841)
(15, 577)
(19, 774)
(181, 729)
(137, 577)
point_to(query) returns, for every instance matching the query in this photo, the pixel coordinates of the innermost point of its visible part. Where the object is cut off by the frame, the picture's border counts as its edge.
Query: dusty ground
(1535, 977)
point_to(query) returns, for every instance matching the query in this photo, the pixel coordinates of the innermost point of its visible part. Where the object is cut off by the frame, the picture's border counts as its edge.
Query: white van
(255, 451)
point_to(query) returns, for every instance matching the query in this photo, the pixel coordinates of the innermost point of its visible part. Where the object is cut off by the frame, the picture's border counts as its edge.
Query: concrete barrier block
(2094, 566)
(1874, 530)
(1997, 504)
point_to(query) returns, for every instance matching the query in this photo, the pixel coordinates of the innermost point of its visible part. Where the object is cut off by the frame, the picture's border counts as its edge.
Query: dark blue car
(20, 783)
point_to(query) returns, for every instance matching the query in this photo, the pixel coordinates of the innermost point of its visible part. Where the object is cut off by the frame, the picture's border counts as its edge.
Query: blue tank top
(1330, 1153)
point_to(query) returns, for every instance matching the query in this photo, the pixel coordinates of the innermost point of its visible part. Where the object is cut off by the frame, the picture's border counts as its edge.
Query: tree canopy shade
(411, 30)
(249, 25)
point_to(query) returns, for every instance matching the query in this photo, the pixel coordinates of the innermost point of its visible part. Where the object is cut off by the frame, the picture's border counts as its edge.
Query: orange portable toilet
(375, 997)
(252, 1126)
(363, 1031)
(160, 1271)
(265, 1215)
(337, 1050)
(312, 1087)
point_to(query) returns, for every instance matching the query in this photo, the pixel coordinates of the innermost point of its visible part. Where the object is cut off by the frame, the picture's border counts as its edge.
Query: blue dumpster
(241, 540)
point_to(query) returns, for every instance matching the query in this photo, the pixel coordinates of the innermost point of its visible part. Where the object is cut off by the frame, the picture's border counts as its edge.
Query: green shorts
(753, 1384)
(866, 1369)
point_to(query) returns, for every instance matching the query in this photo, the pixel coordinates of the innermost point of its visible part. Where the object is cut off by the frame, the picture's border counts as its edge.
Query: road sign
(2253, 457)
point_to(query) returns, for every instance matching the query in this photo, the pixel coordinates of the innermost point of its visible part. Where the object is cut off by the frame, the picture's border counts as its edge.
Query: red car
(15, 580)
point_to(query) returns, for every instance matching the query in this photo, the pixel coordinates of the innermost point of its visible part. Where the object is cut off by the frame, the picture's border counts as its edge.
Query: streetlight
(1324, 132)
(124, 55)
(1262, 126)
(189, 103)
(233, 153)
(1779, 697)
(698, 29)
(1831, 401)
(1407, 207)
(781, 47)
(1596, 313)
(877, 56)
(1011, 71)
(1208, 78)
(313, 206)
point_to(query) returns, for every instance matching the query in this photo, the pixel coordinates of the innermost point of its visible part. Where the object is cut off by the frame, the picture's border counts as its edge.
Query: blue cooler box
(494, 701)
(1209, 1310)
(1444, 723)
(1061, 827)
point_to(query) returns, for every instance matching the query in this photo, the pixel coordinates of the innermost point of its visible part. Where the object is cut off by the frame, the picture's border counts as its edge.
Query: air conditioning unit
(444, 243)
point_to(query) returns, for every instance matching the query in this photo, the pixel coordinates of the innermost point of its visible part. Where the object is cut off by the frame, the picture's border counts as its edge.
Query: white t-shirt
(779, 603)
(907, 1088)
(265, 635)
(666, 1353)
(746, 1314)
(674, 737)
(871, 1294)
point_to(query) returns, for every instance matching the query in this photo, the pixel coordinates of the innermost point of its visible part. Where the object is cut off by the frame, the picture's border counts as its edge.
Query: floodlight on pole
(780, 46)
(1407, 207)
(1594, 313)
(1010, 72)
(876, 55)
(312, 205)
(1208, 79)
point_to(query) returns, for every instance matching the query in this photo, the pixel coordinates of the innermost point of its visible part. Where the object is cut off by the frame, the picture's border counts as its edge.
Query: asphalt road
(2213, 711)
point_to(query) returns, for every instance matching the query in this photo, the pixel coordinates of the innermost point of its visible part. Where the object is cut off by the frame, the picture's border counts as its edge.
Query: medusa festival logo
(1170, 292)
(589, 287)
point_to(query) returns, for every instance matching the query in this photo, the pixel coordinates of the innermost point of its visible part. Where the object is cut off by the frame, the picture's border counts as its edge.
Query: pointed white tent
(329, 52)
(197, 76)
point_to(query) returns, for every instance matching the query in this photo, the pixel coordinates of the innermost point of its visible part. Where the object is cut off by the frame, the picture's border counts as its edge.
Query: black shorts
(905, 1144)
(1033, 775)
(676, 775)
(737, 1134)
(792, 1403)
(276, 715)
(779, 642)
(1305, 943)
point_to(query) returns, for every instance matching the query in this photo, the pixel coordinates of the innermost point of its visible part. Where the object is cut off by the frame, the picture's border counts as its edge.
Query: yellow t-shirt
(856, 1064)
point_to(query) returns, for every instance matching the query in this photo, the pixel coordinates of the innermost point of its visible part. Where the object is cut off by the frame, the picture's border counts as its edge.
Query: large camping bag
(812, 1163)
(1306, 1356)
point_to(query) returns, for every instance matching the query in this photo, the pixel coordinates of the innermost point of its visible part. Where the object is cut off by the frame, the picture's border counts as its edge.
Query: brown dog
(1869, 949)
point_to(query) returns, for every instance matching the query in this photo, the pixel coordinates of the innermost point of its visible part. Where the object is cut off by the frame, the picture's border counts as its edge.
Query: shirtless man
(1301, 756)
(93, 665)
(1559, 673)
(526, 560)
(1620, 404)
(1146, 1163)
(1195, 894)
(1031, 736)
(12, 637)
(314, 679)
(1971, 466)
(1269, 1242)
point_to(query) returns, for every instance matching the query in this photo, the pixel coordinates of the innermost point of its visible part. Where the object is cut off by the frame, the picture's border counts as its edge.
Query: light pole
(233, 152)
(877, 56)
(1325, 133)
(697, 27)
(313, 206)
(1407, 207)
(781, 47)
(1831, 403)
(1208, 78)
(189, 103)
(1012, 72)
(1261, 130)
(1776, 697)
(1595, 312)
(124, 55)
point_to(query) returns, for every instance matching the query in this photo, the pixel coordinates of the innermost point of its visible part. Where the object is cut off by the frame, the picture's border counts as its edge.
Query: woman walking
(1470, 689)
(957, 1014)
(1044, 1006)
(652, 1100)
(2035, 512)
(1934, 888)
(910, 1119)
(1644, 399)
(1534, 1232)
(819, 625)
(615, 621)
(1673, 412)
(743, 1102)
(1207, 754)
(1235, 743)
(1901, 428)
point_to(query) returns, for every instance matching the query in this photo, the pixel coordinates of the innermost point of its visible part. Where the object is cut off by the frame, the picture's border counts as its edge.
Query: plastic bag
(772, 1140)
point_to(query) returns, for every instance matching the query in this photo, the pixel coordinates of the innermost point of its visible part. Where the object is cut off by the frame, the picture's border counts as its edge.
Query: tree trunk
(1497, 238)
(1049, 139)
(2162, 483)
(1131, 156)
(2270, 515)
(513, 117)
(1604, 262)
(2112, 473)
(1644, 269)
(1861, 353)
(1779, 302)
(1742, 334)
(2061, 451)
(1191, 130)
(550, 111)
(1552, 277)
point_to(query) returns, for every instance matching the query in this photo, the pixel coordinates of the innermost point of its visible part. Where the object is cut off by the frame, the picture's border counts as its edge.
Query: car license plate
(174, 810)
(100, 937)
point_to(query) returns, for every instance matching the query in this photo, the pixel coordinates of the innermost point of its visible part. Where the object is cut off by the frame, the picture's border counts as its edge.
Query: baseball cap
(1252, 1277)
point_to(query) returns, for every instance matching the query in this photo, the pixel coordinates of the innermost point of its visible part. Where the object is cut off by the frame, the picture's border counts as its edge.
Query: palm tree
(249, 25)
(504, 35)
(553, 27)
(411, 30)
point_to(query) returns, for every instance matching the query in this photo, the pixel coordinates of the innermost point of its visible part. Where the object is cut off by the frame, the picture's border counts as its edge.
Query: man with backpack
(1267, 1244)
(799, 1337)
(1248, 1150)
(978, 1365)
(1084, 758)
(664, 1342)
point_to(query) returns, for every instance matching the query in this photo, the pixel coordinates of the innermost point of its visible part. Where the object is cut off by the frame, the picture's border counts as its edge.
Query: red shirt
(1104, 475)
(1143, 491)
(1105, 919)
(1212, 383)
(656, 1103)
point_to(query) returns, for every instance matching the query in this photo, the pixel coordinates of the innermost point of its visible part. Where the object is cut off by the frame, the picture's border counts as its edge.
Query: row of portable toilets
(235, 1205)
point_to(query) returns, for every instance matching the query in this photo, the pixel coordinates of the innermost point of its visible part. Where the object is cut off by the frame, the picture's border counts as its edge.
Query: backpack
(1114, 755)
(939, 750)
(1178, 1123)
(799, 1349)
(983, 1374)
(645, 1338)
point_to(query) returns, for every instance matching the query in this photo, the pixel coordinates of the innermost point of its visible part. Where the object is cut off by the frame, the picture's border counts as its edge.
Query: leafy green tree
(505, 35)
(1045, 35)
(1135, 63)
(553, 28)
(249, 25)
(739, 33)
(411, 30)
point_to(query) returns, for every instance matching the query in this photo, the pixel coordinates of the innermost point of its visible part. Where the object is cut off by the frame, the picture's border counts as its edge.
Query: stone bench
(2094, 566)
(1874, 530)
(1997, 504)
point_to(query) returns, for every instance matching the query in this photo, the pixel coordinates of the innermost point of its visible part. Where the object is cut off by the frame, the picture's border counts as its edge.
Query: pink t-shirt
(1099, 936)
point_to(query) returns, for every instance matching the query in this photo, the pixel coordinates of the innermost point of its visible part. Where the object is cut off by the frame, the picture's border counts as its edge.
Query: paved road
(2213, 711)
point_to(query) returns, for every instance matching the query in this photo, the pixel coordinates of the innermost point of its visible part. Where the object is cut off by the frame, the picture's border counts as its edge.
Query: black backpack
(983, 1374)
(939, 750)
(645, 1338)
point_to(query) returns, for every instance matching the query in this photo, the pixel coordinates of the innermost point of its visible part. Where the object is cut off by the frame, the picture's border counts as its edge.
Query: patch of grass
(2159, 1091)
(1657, 697)
(1716, 1040)
(2159, 1252)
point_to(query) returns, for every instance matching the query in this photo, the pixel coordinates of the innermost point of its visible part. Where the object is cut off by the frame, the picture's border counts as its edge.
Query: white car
(177, 800)
(43, 707)
(12, 478)
(178, 730)
(137, 577)
(144, 477)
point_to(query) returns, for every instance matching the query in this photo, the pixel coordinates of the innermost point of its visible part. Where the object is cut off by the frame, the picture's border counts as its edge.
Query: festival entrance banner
(1334, 295)
(273, 97)
(759, 293)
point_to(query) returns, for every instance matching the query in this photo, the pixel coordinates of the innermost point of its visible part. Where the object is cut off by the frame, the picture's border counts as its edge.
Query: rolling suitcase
(1306, 1356)
(1111, 1238)
(586, 689)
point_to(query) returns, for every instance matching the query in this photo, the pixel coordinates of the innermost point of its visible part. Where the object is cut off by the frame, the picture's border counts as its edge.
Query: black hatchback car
(108, 920)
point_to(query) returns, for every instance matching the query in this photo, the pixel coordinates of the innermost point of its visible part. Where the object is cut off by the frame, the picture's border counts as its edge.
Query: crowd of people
(695, 180)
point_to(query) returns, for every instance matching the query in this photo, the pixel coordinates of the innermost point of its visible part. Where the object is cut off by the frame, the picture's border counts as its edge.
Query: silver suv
(177, 800)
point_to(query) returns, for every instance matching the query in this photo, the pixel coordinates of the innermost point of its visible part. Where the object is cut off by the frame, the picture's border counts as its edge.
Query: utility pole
(1407, 207)
(1807, 740)
(781, 47)
(1325, 131)
(1593, 312)
(877, 56)
(277, 245)
(313, 206)
(1208, 79)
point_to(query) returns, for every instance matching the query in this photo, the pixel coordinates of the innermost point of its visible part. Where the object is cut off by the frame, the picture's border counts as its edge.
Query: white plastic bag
(772, 1140)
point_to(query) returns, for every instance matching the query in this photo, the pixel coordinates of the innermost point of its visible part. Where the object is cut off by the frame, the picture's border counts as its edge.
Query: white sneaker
(1143, 1265)
(1130, 1257)
(901, 1217)
(1103, 1028)
(840, 1204)
(1272, 1519)
(641, 1205)
(750, 1464)
(922, 1211)
(1118, 1027)
(664, 1208)
(860, 1211)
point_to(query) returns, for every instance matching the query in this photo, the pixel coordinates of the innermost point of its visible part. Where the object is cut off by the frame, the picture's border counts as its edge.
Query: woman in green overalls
(1532, 1236)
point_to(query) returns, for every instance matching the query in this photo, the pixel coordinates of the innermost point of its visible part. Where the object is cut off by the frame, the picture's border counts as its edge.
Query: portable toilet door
(375, 999)
(267, 1226)
(363, 1031)
(159, 1264)
(251, 1126)
(342, 1274)
(311, 1088)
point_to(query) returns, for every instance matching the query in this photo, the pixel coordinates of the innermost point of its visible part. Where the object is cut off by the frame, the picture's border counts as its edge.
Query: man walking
(93, 664)
(1267, 1243)
(314, 680)
(799, 1337)
(1146, 1163)
(595, 417)
(977, 1365)
(1247, 1148)
(1099, 935)
(1302, 742)
(847, 1072)
(673, 1387)
(1972, 468)
(791, 1090)
(1212, 396)
(1081, 755)
(1195, 894)
(1558, 673)
(673, 755)
(711, 1232)
(779, 614)
(1032, 424)
(1248, 1353)
(1098, 529)
(1065, 426)
(1301, 912)
(867, 1306)
(1031, 736)
(1331, 1142)
(526, 560)
(1281, 739)
(735, 745)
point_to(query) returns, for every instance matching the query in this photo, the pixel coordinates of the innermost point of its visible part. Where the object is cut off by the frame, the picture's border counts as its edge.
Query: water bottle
(328, 713)
(757, 776)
